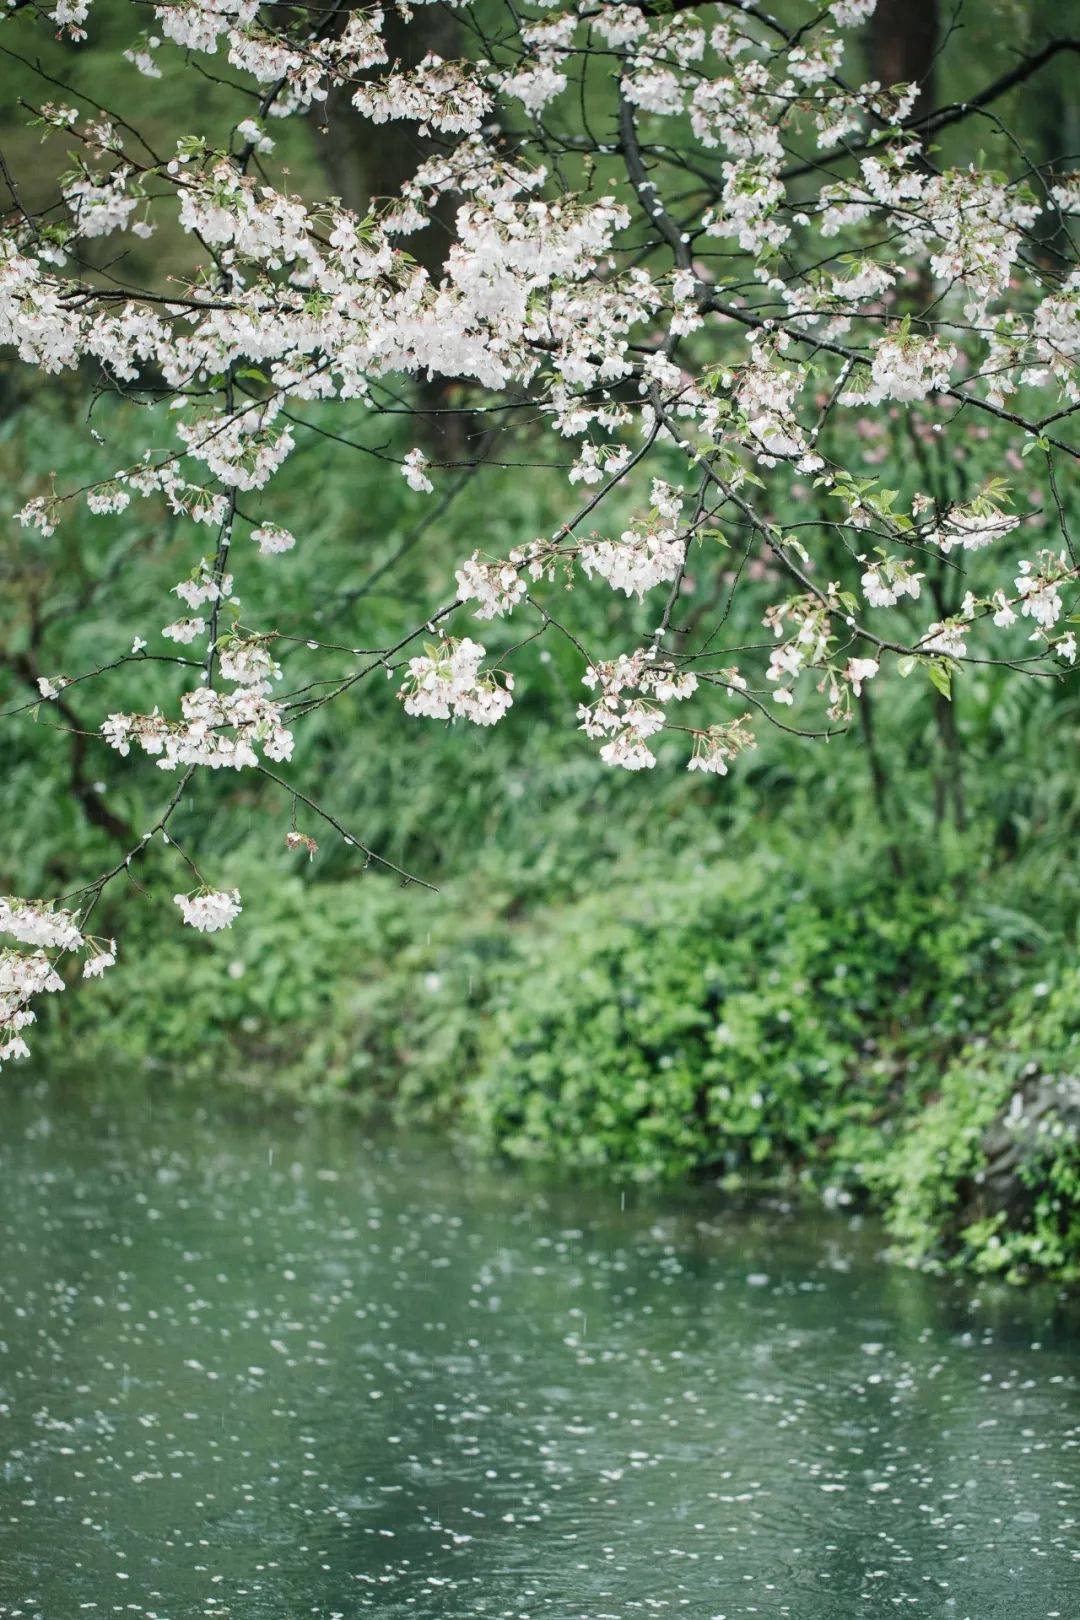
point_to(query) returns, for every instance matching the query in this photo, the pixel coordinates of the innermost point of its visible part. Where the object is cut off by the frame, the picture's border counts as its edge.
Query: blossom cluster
(218, 730)
(209, 910)
(718, 745)
(446, 683)
(26, 975)
(630, 708)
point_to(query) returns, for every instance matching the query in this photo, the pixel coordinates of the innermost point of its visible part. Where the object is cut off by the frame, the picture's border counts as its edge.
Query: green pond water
(261, 1366)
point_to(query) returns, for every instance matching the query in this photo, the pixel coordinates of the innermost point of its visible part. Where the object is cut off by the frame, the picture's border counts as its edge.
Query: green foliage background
(822, 972)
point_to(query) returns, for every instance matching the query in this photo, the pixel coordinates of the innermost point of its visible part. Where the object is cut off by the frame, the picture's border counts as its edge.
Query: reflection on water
(256, 1366)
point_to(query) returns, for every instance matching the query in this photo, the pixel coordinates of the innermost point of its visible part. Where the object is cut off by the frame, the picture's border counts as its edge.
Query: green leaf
(940, 678)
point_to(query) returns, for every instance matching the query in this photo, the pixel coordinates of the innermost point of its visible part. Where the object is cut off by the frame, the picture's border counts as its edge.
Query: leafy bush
(724, 1022)
(988, 1176)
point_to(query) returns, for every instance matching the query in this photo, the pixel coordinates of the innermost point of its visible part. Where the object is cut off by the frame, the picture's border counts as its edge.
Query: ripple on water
(260, 1367)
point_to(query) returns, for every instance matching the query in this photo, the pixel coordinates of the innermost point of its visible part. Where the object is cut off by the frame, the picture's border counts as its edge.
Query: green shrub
(988, 1176)
(722, 1022)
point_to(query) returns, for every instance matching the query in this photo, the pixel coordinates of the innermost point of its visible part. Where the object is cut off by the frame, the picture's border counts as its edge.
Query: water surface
(259, 1366)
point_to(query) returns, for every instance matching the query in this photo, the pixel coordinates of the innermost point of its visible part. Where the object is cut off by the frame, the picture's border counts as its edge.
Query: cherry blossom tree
(692, 240)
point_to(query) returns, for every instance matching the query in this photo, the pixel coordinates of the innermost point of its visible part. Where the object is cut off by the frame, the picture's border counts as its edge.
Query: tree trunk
(367, 165)
(903, 39)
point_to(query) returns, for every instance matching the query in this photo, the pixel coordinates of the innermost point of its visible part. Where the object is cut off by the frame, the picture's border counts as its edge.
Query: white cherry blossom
(209, 910)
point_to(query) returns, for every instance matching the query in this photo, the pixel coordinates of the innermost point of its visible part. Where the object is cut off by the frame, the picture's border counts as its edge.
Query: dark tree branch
(928, 124)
